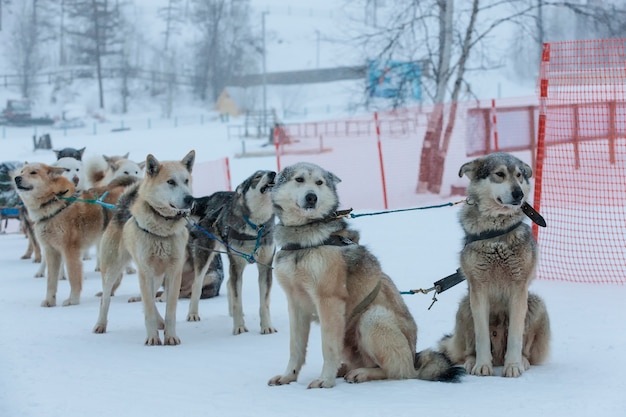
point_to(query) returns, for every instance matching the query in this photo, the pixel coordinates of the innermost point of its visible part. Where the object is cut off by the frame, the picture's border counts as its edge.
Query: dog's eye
(67, 170)
(186, 182)
(319, 182)
(126, 173)
(500, 174)
(299, 179)
(519, 175)
(33, 173)
(171, 182)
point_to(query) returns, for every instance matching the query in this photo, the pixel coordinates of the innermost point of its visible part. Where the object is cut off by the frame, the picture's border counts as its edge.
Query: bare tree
(172, 15)
(448, 38)
(22, 48)
(96, 27)
(224, 43)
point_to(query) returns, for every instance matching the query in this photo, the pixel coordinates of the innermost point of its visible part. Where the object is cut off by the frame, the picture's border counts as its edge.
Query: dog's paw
(71, 302)
(193, 317)
(485, 369)
(171, 340)
(153, 341)
(469, 364)
(357, 375)
(48, 303)
(130, 270)
(39, 275)
(281, 380)
(239, 330)
(268, 330)
(134, 299)
(100, 328)
(97, 269)
(512, 370)
(37, 260)
(321, 383)
(25, 257)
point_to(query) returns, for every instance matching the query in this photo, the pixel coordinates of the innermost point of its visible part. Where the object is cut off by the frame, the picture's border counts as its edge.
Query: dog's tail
(95, 170)
(436, 366)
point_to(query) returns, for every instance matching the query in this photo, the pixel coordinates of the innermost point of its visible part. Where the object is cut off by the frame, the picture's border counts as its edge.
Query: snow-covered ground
(51, 364)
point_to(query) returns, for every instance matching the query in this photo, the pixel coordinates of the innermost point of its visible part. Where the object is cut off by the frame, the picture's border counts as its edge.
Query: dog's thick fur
(367, 330)
(149, 227)
(63, 228)
(499, 322)
(244, 221)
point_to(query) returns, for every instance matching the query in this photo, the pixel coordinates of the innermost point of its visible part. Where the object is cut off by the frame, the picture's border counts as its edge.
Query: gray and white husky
(499, 322)
(243, 221)
(367, 330)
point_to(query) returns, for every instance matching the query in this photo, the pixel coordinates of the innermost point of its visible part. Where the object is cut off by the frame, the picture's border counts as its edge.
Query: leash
(458, 277)
(246, 256)
(354, 216)
(97, 200)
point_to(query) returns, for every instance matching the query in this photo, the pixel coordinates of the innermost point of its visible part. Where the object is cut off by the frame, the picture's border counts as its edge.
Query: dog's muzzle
(310, 200)
(19, 185)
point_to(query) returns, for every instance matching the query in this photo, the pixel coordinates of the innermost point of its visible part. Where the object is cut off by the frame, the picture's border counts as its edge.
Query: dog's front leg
(332, 312)
(53, 263)
(265, 286)
(513, 362)
(479, 304)
(172, 291)
(299, 329)
(146, 284)
(74, 274)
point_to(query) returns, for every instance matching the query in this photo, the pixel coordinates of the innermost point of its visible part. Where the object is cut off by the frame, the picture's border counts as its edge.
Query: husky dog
(243, 221)
(367, 330)
(69, 153)
(499, 261)
(102, 169)
(64, 227)
(73, 171)
(149, 227)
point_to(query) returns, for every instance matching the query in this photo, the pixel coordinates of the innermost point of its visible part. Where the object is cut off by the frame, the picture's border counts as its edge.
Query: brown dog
(64, 225)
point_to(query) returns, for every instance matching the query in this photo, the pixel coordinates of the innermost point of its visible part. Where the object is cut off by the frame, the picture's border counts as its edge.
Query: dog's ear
(189, 159)
(152, 166)
(54, 171)
(125, 156)
(333, 179)
(526, 170)
(142, 165)
(56, 152)
(81, 152)
(469, 169)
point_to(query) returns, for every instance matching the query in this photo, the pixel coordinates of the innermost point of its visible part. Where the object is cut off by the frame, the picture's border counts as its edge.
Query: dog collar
(469, 238)
(146, 230)
(333, 240)
(178, 216)
(48, 217)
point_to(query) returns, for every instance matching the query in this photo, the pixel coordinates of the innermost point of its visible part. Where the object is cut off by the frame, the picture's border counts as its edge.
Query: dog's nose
(18, 180)
(310, 200)
(517, 195)
(188, 200)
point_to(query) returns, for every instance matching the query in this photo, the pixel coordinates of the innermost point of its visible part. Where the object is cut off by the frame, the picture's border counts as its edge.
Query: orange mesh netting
(581, 161)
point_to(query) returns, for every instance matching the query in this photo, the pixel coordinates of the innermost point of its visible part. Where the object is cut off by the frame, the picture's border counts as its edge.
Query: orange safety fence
(581, 161)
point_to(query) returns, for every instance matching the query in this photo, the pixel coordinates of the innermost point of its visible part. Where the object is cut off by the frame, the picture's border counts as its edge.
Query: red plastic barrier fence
(581, 161)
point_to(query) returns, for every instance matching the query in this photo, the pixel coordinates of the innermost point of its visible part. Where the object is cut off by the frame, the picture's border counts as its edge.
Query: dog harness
(332, 240)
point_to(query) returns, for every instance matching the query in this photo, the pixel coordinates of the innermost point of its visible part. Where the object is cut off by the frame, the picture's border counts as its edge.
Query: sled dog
(367, 330)
(64, 227)
(499, 322)
(102, 169)
(243, 221)
(149, 227)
